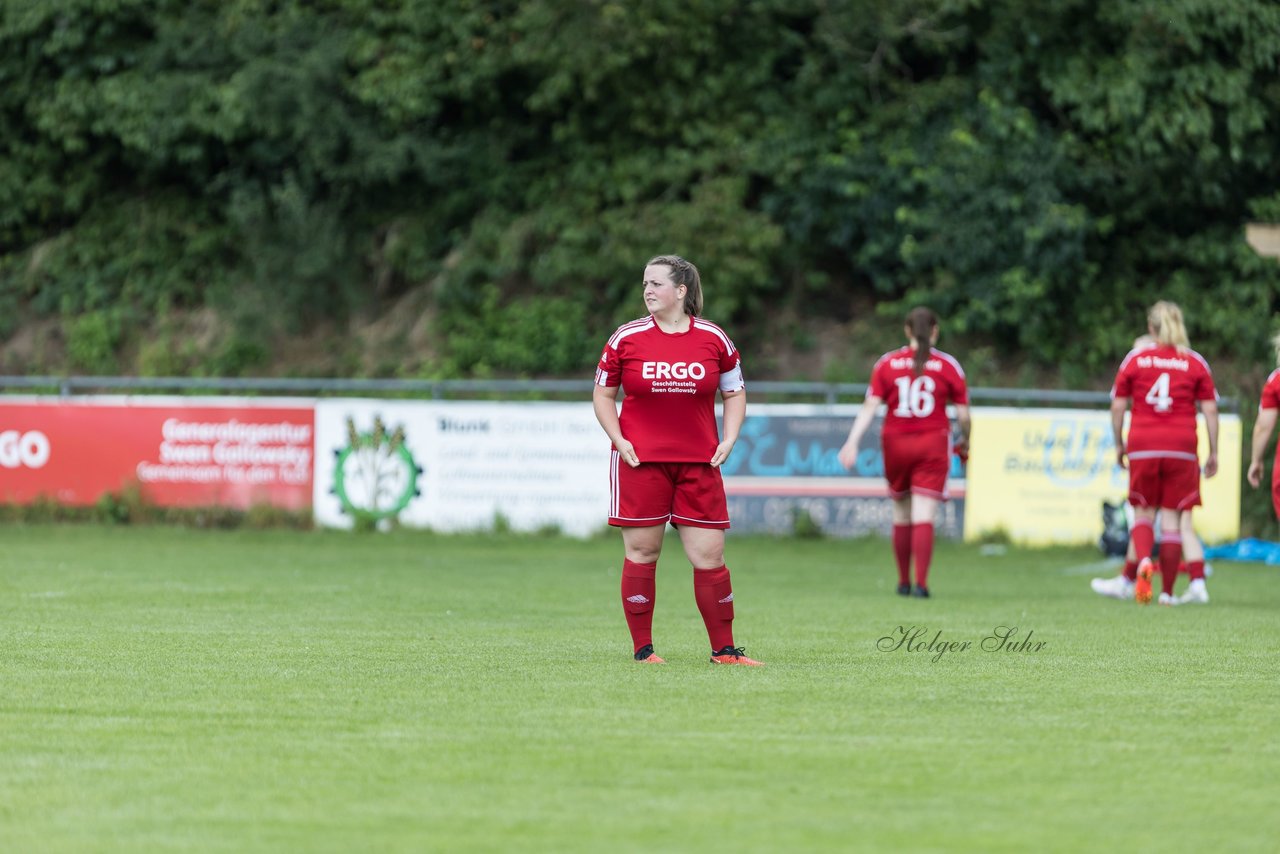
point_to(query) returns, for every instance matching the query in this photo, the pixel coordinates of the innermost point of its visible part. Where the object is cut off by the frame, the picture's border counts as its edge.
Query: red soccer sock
(1195, 568)
(1170, 557)
(639, 587)
(714, 595)
(922, 549)
(1131, 569)
(1144, 539)
(902, 551)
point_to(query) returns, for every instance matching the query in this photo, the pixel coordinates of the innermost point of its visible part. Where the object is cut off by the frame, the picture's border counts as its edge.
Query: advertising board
(176, 451)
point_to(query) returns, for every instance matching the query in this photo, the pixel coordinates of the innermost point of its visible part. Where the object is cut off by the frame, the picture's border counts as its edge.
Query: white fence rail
(829, 393)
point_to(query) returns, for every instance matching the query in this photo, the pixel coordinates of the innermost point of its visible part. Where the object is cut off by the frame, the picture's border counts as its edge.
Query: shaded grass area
(171, 689)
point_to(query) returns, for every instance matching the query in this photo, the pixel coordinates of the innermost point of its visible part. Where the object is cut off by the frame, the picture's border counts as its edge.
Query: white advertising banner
(460, 466)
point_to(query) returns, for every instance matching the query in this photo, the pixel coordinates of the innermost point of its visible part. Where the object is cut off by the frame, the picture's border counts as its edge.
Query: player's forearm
(863, 420)
(606, 409)
(1118, 408)
(1258, 446)
(965, 421)
(1261, 435)
(1210, 411)
(735, 412)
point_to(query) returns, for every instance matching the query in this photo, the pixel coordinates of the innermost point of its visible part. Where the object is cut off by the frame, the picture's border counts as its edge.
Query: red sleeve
(879, 385)
(1271, 392)
(1204, 387)
(730, 358)
(1124, 383)
(609, 369)
(959, 388)
(731, 371)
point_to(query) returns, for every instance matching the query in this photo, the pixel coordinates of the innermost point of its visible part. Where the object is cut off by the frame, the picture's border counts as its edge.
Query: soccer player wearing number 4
(1164, 383)
(1127, 585)
(916, 383)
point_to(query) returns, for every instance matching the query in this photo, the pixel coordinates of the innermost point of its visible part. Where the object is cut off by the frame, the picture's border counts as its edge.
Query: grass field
(175, 690)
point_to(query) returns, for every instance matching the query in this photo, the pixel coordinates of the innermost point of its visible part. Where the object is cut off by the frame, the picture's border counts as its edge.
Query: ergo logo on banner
(30, 449)
(672, 370)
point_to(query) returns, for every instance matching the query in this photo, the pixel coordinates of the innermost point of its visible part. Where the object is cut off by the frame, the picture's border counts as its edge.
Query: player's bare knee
(643, 554)
(706, 558)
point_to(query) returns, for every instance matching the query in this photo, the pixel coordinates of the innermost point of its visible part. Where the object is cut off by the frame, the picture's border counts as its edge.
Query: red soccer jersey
(1271, 400)
(670, 382)
(1165, 383)
(917, 403)
(1271, 393)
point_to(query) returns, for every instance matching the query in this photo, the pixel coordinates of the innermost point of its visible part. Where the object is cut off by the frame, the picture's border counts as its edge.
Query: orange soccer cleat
(734, 655)
(1142, 587)
(646, 655)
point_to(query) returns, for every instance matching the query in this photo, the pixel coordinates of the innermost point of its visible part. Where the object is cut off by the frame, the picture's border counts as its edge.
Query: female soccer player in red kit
(1124, 586)
(1163, 384)
(916, 382)
(1268, 406)
(665, 464)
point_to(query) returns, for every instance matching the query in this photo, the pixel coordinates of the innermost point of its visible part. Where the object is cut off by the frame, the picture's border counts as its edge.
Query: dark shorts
(917, 463)
(1171, 482)
(656, 493)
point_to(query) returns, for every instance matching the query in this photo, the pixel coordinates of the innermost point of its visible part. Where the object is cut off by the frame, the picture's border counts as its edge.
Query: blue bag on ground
(1247, 549)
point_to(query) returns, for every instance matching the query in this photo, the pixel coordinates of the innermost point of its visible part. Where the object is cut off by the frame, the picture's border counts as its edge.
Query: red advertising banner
(177, 454)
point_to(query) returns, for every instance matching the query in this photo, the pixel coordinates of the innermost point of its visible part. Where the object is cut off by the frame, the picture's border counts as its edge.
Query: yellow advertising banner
(1041, 476)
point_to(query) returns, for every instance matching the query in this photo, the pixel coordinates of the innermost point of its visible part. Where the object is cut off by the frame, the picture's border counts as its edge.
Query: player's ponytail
(921, 322)
(684, 273)
(1165, 321)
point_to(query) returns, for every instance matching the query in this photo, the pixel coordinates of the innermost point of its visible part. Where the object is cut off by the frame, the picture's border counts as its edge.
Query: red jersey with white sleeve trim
(670, 382)
(917, 403)
(1271, 400)
(1165, 383)
(1271, 392)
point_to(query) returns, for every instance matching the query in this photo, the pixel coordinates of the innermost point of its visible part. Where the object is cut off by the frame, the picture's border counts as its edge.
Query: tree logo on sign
(375, 476)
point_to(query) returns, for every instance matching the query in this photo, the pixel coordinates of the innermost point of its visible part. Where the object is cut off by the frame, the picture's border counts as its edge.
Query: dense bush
(1039, 170)
(188, 185)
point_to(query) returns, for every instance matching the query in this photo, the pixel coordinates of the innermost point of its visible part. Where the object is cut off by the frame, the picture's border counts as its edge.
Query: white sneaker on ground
(1166, 599)
(1117, 588)
(1196, 594)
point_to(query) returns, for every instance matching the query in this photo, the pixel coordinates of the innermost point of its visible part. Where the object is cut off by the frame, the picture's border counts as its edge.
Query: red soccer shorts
(656, 493)
(1275, 486)
(1172, 482)
(917, 463)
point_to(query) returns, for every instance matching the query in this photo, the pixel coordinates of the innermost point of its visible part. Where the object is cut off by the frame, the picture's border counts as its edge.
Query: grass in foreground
(168, 689)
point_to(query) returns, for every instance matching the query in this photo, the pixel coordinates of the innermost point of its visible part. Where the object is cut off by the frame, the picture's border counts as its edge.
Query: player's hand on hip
(722, 453)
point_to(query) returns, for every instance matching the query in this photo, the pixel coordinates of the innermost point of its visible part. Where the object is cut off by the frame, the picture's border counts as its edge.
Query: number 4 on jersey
(1158, 396)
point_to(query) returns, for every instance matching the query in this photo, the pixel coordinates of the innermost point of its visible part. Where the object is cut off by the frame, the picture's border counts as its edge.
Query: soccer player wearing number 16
(916, 383)
(1163, 382)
